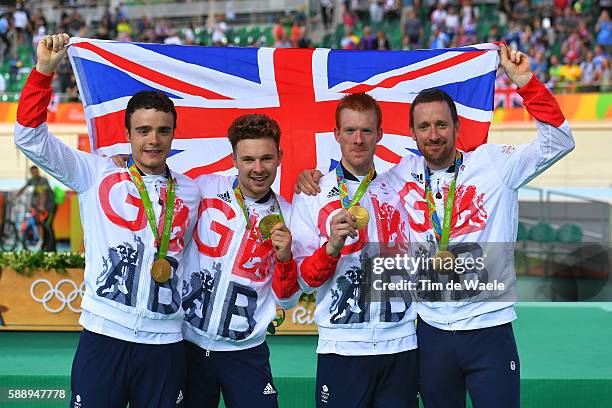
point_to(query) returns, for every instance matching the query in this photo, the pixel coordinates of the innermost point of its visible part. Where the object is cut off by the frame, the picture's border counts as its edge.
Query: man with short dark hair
(468, 204)
(240, 267)
(136, 222)
(367, 353)
(149, 100)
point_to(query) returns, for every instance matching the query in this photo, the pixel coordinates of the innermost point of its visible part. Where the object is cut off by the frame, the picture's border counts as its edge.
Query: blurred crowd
(569, 42)
(21, 28)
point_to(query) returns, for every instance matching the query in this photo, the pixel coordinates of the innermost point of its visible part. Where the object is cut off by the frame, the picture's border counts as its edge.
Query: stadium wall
(587, 166)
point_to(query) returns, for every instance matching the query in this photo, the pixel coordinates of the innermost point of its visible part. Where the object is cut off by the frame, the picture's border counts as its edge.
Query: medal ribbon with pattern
(363, 186)
(245, 211)
(442, 233)
(240, 198)
(164, 240)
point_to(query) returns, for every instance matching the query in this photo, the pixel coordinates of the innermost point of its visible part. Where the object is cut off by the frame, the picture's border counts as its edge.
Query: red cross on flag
(299, 88)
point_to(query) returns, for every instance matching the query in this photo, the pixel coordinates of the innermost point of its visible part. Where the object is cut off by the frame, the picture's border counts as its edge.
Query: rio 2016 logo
(301, 315)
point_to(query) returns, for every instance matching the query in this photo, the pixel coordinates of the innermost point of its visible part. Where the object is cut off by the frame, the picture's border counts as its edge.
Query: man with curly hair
(240, 266)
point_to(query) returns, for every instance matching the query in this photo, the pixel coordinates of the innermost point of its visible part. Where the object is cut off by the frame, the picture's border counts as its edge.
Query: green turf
(564, 350)
(565, 341)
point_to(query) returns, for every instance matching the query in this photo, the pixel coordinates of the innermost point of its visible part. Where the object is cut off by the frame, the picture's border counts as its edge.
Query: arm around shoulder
(314, 267)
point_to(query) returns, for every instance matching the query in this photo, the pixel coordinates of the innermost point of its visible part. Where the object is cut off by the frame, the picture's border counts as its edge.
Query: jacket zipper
(374, 319)
(143, 286)
(144, 279)
(137, 324)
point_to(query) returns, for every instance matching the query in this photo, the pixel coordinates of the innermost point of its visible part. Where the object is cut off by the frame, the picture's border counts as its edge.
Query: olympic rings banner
(47, 300)
(50, 301)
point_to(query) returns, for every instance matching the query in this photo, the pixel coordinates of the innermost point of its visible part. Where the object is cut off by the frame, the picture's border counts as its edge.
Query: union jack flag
(298, 87)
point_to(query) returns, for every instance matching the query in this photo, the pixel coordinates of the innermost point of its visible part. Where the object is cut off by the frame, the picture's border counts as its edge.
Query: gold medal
(361, 214)
(444, 262)
(161, 271)
(267, 223)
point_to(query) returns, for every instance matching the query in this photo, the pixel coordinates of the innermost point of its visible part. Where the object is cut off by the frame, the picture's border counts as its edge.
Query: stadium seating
(542, 232)
(569, 234)
(542, 244)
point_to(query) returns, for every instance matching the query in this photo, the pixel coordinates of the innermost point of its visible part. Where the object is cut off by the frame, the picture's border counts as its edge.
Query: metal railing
(599, 229)
(604, 236)
(159, 9)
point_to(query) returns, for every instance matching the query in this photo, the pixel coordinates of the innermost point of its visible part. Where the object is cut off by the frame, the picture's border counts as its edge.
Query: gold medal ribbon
(361, 214)
(442, 233)
(164, 240)
(241, 203)
(363, 186)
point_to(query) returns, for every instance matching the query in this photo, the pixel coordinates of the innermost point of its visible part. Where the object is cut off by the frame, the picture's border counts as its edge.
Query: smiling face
(358, 135)
(150, 135)
(257, 161)
(435, 133)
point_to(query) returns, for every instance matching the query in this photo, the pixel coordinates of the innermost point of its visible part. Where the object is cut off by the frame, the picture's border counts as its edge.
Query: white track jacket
(121, 299)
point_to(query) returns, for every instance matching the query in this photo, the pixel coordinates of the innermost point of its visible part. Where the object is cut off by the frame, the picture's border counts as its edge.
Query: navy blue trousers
(380, 381)
(484, 362)
(110, 373)
(244, 377)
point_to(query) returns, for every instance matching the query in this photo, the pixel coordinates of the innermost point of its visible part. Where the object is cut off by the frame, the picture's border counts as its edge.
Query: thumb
(279, 226)
(504, 54)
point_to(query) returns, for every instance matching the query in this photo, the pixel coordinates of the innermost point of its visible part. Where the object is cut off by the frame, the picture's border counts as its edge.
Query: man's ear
(127, 135)
(234, 160)
(280, 157)
(457, 129)
(380, 135)
(412, 133)
(337, 134)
